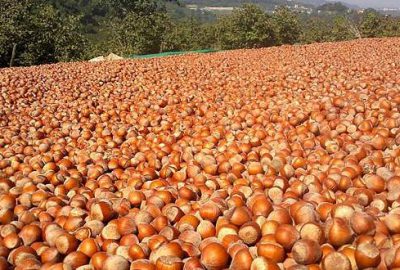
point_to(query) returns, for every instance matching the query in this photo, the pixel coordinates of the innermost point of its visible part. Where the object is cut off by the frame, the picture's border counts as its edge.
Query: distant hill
(333, 7)
(264, 3)
(378, 4)
(267, 3)
(312, 2)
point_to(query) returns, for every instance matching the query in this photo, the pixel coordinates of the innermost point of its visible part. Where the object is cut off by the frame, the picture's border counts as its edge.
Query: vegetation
(335, 7)
(40, 31)
(248, 27)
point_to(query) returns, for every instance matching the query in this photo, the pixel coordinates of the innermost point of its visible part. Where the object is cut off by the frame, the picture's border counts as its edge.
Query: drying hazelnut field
(278, 158)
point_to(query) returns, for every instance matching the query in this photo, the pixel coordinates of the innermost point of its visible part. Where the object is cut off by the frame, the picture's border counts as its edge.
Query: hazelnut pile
(278, 158)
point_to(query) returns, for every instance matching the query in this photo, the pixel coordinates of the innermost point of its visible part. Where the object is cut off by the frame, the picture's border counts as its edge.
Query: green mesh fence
(141, 56)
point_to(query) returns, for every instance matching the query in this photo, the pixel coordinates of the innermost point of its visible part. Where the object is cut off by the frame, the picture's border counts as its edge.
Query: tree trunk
(14, 50)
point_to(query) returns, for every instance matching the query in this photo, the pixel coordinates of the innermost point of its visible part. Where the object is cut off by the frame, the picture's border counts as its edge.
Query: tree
(246, 27)
(69, 42)
(184, 35)
(53, 37)
(189, 34)
(13, 15)
(139, 34)
(41, 33)
(341, 30)
(122, 8)
(90, 12)
(286, 25)
(390, 26)
(315, 29)
(371, 24)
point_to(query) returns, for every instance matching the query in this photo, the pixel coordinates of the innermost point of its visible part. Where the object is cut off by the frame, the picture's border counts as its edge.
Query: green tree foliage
(139, 34)
(54, 38)
(130, 27)
(41, 33)
(315, 29)
(371, 24)
(390, 27)
(341, 29)
(287, 26)
(122, 8)
(186, 35)
(246, 27)
(90, 12)
(12, 18)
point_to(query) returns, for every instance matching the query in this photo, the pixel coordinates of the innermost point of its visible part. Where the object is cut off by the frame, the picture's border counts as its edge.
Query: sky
(375, 3)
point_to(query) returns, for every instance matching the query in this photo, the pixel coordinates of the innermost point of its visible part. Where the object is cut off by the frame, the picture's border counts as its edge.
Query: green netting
(169, 53)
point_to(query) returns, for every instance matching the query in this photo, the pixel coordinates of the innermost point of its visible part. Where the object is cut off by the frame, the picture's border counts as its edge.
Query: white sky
(374, 3)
